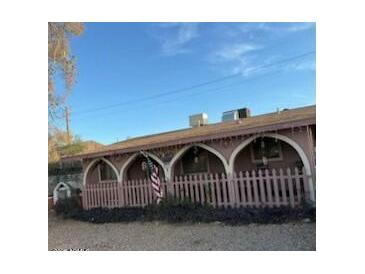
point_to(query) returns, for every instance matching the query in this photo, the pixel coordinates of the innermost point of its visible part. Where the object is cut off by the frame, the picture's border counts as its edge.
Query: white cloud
(237, 57)
(276, 27)
(242, 58)
(177, 38)
(294, 27)
(244, 67)
(248, 27)
(235, 51)
(302, 65)
(255, 65)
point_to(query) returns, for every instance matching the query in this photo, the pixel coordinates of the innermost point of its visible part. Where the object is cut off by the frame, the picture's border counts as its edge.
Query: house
(258, 160)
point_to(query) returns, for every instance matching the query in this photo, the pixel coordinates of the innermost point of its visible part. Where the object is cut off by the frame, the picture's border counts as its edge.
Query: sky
(135, 79)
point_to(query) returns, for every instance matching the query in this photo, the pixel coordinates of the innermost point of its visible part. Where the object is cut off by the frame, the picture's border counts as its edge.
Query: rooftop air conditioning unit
(236, 114)
(244, 113)
(198, 120)
(230, 115)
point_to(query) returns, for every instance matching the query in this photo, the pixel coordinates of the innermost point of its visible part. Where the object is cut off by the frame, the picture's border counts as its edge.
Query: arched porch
(197, 159)
(271, 151)
(100, 170)
(133, 168)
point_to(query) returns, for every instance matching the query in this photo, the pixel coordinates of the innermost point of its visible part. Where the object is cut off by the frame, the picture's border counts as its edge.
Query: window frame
(276, 159)
(99, 172)
(191, 173)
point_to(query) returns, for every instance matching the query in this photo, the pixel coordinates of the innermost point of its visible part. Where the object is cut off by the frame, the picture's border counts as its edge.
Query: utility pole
(67, 117)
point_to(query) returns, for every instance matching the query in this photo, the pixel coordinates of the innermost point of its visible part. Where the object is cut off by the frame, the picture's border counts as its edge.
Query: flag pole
(152, 173)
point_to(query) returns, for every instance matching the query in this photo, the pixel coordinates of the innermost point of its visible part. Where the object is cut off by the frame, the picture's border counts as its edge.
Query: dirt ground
(75, 235)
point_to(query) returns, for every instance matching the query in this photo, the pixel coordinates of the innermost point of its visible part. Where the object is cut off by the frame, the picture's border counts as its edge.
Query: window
(106, 173)
(194, 161)
(266, 148)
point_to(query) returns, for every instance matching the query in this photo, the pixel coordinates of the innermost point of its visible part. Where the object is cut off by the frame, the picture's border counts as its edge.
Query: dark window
(195, 161)
(106, 172)
(268, 148)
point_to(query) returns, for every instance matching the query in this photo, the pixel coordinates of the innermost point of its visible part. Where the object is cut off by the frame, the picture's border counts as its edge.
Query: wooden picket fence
(267, 188)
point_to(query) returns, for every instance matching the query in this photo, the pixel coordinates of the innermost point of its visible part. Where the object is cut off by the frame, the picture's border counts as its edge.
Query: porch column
(311, 152)
(311, 189)
(305, 138)
(299, 140)
(168, 181)
(231, 193)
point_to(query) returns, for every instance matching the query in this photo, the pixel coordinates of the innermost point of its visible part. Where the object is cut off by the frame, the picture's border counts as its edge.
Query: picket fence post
(231, 191)
(263, 188)
(268, 188)
(290, 186)
(276, 188)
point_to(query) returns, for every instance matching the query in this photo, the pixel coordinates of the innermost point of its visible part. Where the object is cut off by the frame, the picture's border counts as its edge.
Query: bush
(69, 207)
(172, 211)
(64, 168)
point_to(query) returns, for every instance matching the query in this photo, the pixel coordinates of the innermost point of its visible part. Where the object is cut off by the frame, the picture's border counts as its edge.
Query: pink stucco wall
(225, 147)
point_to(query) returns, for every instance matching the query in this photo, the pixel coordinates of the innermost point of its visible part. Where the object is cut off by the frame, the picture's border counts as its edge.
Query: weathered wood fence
(267, 188)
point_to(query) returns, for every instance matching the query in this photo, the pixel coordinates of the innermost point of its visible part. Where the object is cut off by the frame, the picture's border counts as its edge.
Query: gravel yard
(71, 234)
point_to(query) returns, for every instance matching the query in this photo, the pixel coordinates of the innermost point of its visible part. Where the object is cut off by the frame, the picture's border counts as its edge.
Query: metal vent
(198, 120)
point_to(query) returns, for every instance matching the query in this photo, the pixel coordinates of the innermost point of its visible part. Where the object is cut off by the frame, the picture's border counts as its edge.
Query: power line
(196, 85)
(210, 91)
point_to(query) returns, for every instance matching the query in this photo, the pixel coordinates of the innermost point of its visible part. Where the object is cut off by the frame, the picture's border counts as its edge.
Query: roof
(275, 120)
(90, 146)
(78, 148)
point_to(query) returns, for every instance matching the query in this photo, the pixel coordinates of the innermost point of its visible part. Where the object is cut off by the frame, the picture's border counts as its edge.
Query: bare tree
(60, 60)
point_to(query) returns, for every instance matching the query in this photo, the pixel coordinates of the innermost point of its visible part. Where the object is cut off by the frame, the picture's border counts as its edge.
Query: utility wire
(195, 86)
(180, 99)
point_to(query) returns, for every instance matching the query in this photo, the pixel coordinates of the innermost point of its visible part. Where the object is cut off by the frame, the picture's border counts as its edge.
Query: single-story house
(263, 147)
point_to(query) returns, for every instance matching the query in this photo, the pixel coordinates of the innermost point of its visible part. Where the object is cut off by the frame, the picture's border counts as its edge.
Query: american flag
(155, 179)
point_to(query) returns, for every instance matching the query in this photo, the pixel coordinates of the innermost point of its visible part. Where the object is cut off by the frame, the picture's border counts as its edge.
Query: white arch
(93, 162)
(134, 156)
(286, 139)
(58, 186)
(208, 148)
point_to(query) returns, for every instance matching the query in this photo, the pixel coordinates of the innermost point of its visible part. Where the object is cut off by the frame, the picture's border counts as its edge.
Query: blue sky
(124, 67)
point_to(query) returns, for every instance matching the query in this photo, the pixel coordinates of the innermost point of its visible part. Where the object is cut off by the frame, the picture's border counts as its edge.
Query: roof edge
(245, 131)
